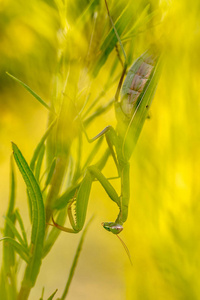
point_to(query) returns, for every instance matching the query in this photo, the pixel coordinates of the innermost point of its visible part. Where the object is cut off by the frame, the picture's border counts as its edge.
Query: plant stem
(24, 292)
(56, 183)
(75, 261)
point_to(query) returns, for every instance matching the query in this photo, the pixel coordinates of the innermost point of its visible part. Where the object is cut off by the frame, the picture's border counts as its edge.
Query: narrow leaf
(99, 111)
(140, 21)
(36, 96)
(21, 224)
(14, 230)
(39, 163)
(78, 159)
(12, 189)
(50, 174)
(51, 297)
(75, 261)
(7, 251)
(54, 233)
(93, 153)
(38, 218)
(65, 198)
(41, 298)
(111, 39)
(9, 289)
(20, 249)
(40, 145)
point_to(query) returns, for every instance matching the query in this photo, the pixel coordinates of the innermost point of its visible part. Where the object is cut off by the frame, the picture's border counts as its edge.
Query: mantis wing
(137, 94)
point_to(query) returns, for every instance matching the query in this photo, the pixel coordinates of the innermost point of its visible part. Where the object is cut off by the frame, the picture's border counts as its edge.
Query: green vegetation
(78, 60)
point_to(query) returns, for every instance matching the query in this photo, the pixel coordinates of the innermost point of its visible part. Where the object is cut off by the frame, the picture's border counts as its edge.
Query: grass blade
(50, 174)
(20, 249)
(54, 233)
(38, 221)
(40, 145)
(8, 288)
(14, 230)
(65, 198)
(36, 96)
(41, 298)
(21, 224)
(141, 21)
(111, 39)
(75, 261)
(51, 297)
(93, 153)
(8, 253)
(39, 163)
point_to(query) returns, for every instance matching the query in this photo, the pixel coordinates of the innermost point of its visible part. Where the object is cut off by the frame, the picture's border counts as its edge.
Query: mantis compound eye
(112, 227)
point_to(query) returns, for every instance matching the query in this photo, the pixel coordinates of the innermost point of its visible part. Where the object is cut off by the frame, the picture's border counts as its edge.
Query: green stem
(75, 261)
(24, 292)
(56, 183)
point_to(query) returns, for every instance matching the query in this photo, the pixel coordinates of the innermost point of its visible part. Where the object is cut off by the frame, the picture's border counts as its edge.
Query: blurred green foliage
(162, 230)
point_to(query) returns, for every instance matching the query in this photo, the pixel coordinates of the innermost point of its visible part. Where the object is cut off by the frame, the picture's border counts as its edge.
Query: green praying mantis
(136, 94)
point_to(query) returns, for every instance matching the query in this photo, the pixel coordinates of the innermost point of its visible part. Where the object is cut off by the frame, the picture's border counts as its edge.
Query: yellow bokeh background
(162, 230)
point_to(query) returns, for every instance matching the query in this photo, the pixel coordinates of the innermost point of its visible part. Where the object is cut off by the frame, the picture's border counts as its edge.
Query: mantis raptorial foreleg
(82, 197)
(92, 173)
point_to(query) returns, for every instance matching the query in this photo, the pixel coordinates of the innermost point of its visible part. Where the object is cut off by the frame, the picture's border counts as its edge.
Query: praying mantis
(136, 94)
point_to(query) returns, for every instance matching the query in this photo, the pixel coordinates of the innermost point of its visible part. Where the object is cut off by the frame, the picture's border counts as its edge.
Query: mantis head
(116, 228)
(113, 227)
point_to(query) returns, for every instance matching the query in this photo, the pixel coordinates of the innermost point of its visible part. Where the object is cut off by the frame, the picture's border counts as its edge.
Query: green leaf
(8, 252)
(36, 154)
(8, 288)
(38, 218)
(14, 230)
(36, 96)
(12, 191)
(65, 198)
(20, 249)
(93, 153)
(86, 14)
(75, 261)
(54, 233)
(51, 297)
(142, 21)
(50, 174)
(40, 145)
(39, 163)
(41, 298)
(111, 39)
(21, 224)
(99, 111)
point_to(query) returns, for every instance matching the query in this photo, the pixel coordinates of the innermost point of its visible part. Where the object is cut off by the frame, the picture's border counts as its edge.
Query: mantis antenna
(115, 30)
(123, 51)
(126, 249)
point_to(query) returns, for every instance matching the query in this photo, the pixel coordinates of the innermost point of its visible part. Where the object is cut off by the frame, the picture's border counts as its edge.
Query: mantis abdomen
(136, 82)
